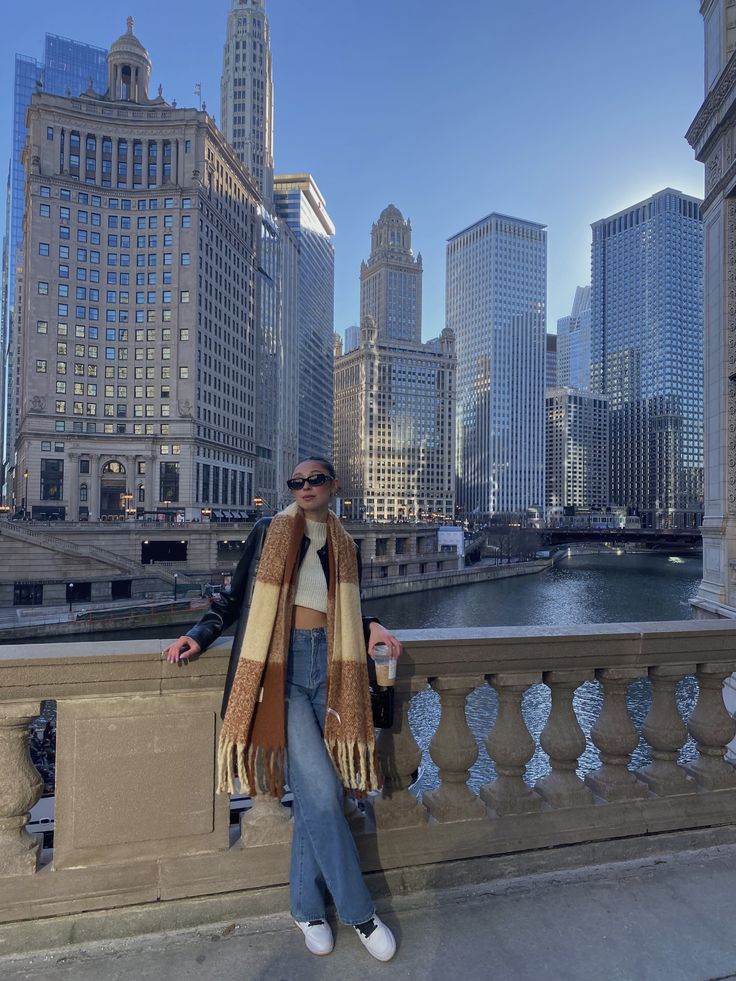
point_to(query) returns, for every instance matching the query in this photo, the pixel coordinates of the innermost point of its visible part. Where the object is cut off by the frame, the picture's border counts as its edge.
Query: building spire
(130, 23)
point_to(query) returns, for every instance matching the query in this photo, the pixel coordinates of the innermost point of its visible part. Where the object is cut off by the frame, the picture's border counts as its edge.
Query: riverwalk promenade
(668, 917)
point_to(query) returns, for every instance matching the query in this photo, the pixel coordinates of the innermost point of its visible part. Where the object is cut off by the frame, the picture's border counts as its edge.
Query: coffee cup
(385, 666)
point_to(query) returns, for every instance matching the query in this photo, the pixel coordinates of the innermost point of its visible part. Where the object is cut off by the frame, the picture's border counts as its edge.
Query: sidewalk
(670, 918)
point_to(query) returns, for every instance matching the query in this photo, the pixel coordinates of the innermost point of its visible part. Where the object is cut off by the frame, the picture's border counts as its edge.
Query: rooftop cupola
(128, 69)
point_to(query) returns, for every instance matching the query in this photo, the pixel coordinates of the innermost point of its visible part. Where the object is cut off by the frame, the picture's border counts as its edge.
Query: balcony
(141, 837)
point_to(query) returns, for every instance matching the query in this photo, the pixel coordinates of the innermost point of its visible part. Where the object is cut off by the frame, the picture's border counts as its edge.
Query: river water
(595, 588)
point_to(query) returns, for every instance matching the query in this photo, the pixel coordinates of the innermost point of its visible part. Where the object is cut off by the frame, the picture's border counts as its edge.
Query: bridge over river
(650, 538)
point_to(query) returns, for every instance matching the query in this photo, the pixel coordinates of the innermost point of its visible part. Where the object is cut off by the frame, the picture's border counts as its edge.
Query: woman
(297, 694)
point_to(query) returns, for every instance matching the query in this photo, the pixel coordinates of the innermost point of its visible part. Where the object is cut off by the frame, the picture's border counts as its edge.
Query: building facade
(352, 338)
(299, 203)
(573, 344)
(391, 280)
(136, 306)
(576, 450)
(496, 301)
(550, 363)
(277, 367)
(712, 134)
(646, 355)
(246, 91)
(394, 420)
(66, 69)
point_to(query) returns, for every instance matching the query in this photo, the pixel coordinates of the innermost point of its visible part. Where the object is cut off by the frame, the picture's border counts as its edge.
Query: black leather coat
(233, 602)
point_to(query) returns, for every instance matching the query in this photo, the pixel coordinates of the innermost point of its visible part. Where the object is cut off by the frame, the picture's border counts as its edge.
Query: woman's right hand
(183, 649)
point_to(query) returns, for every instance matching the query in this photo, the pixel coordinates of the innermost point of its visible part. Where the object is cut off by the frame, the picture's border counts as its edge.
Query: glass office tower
(573, 344)
(647, 355)
(496, 299)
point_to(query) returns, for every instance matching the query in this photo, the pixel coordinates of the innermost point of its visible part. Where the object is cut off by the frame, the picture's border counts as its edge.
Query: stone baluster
(616, 738)
(399, 757)
(20, 787)
(666, 733)
(268, 821)
(510, 746)
(563, 741)
(454, 750)
(712, 728)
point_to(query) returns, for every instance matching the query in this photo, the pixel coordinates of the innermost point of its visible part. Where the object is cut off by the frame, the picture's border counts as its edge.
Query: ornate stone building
(713, 137)
(394, 427)
(135, 305)
(391, 280)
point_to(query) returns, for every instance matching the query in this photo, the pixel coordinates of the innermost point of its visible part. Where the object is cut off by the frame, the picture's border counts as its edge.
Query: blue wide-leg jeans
(323, 853)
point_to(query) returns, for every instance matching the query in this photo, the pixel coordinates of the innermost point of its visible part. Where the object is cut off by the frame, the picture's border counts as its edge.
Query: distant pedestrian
(296, 706)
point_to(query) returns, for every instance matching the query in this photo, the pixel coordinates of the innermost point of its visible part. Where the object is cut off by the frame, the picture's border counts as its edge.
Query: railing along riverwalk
(138, 822)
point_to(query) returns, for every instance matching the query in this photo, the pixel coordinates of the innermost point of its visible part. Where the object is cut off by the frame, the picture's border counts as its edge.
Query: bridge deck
(669, 916)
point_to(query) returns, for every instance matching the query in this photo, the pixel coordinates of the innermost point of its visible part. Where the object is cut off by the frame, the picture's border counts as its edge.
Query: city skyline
(563, 164)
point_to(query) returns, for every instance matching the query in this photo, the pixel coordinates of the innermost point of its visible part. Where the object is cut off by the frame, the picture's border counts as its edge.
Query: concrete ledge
(413, 888)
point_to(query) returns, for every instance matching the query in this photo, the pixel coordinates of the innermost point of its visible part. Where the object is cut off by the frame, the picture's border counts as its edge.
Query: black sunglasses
(314, 480)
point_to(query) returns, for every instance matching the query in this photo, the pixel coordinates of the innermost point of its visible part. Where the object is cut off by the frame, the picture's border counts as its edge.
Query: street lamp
(70, 589)
(25, 492)
(176, 579)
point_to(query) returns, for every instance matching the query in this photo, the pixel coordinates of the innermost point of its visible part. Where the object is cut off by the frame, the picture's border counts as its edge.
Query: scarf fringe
(248, 764)
(356, 764)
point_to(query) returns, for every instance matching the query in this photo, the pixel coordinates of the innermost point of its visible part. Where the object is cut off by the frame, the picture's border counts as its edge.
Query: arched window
(141, 494)
(113, 466)
(83, 493)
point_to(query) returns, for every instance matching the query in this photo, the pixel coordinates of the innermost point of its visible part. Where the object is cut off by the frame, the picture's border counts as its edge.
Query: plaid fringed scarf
(253, 736)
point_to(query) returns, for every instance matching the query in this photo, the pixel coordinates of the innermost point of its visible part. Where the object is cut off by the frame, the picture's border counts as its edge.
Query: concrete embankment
(398, 586)
(103, 621)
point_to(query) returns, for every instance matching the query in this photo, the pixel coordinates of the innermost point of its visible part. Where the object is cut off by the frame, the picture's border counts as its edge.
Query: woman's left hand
(379, 635)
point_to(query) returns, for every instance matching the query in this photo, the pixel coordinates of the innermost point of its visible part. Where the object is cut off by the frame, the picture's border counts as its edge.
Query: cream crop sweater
(311, 587)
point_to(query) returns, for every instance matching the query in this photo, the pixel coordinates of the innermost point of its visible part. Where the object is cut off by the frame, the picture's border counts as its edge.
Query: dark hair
(325, 463)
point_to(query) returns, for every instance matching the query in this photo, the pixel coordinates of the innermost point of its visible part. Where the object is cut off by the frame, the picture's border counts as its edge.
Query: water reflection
(601, 588)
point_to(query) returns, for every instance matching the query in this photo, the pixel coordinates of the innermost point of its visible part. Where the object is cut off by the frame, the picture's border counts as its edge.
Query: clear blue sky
(560, 112)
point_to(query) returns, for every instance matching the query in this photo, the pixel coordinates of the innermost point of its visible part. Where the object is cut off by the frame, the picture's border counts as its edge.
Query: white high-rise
(246, 91)
(577, 449)
(247, 115)
(496, 300)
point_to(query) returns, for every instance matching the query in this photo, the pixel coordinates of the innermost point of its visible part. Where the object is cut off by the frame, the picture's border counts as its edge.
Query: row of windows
(114, 204)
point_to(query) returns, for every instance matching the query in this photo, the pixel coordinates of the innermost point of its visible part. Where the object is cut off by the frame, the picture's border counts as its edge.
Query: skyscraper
(66, 69)
(576, 450)
(135, 366)
(394, 412)
(550, 364)
(394, 396)
(246, 114)
(246, 91)
(391, 280)
(647, 354)
(496, 299)
(352, 338)
(299, 203)
(573, 344)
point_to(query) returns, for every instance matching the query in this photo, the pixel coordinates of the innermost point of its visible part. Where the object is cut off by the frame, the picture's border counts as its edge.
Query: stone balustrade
(138, 822)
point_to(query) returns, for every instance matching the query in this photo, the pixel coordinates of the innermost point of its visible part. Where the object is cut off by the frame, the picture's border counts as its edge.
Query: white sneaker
(317, 936)
(377, 938)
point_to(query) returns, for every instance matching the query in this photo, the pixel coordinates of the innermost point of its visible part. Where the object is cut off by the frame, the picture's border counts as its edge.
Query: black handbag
(382, 699)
